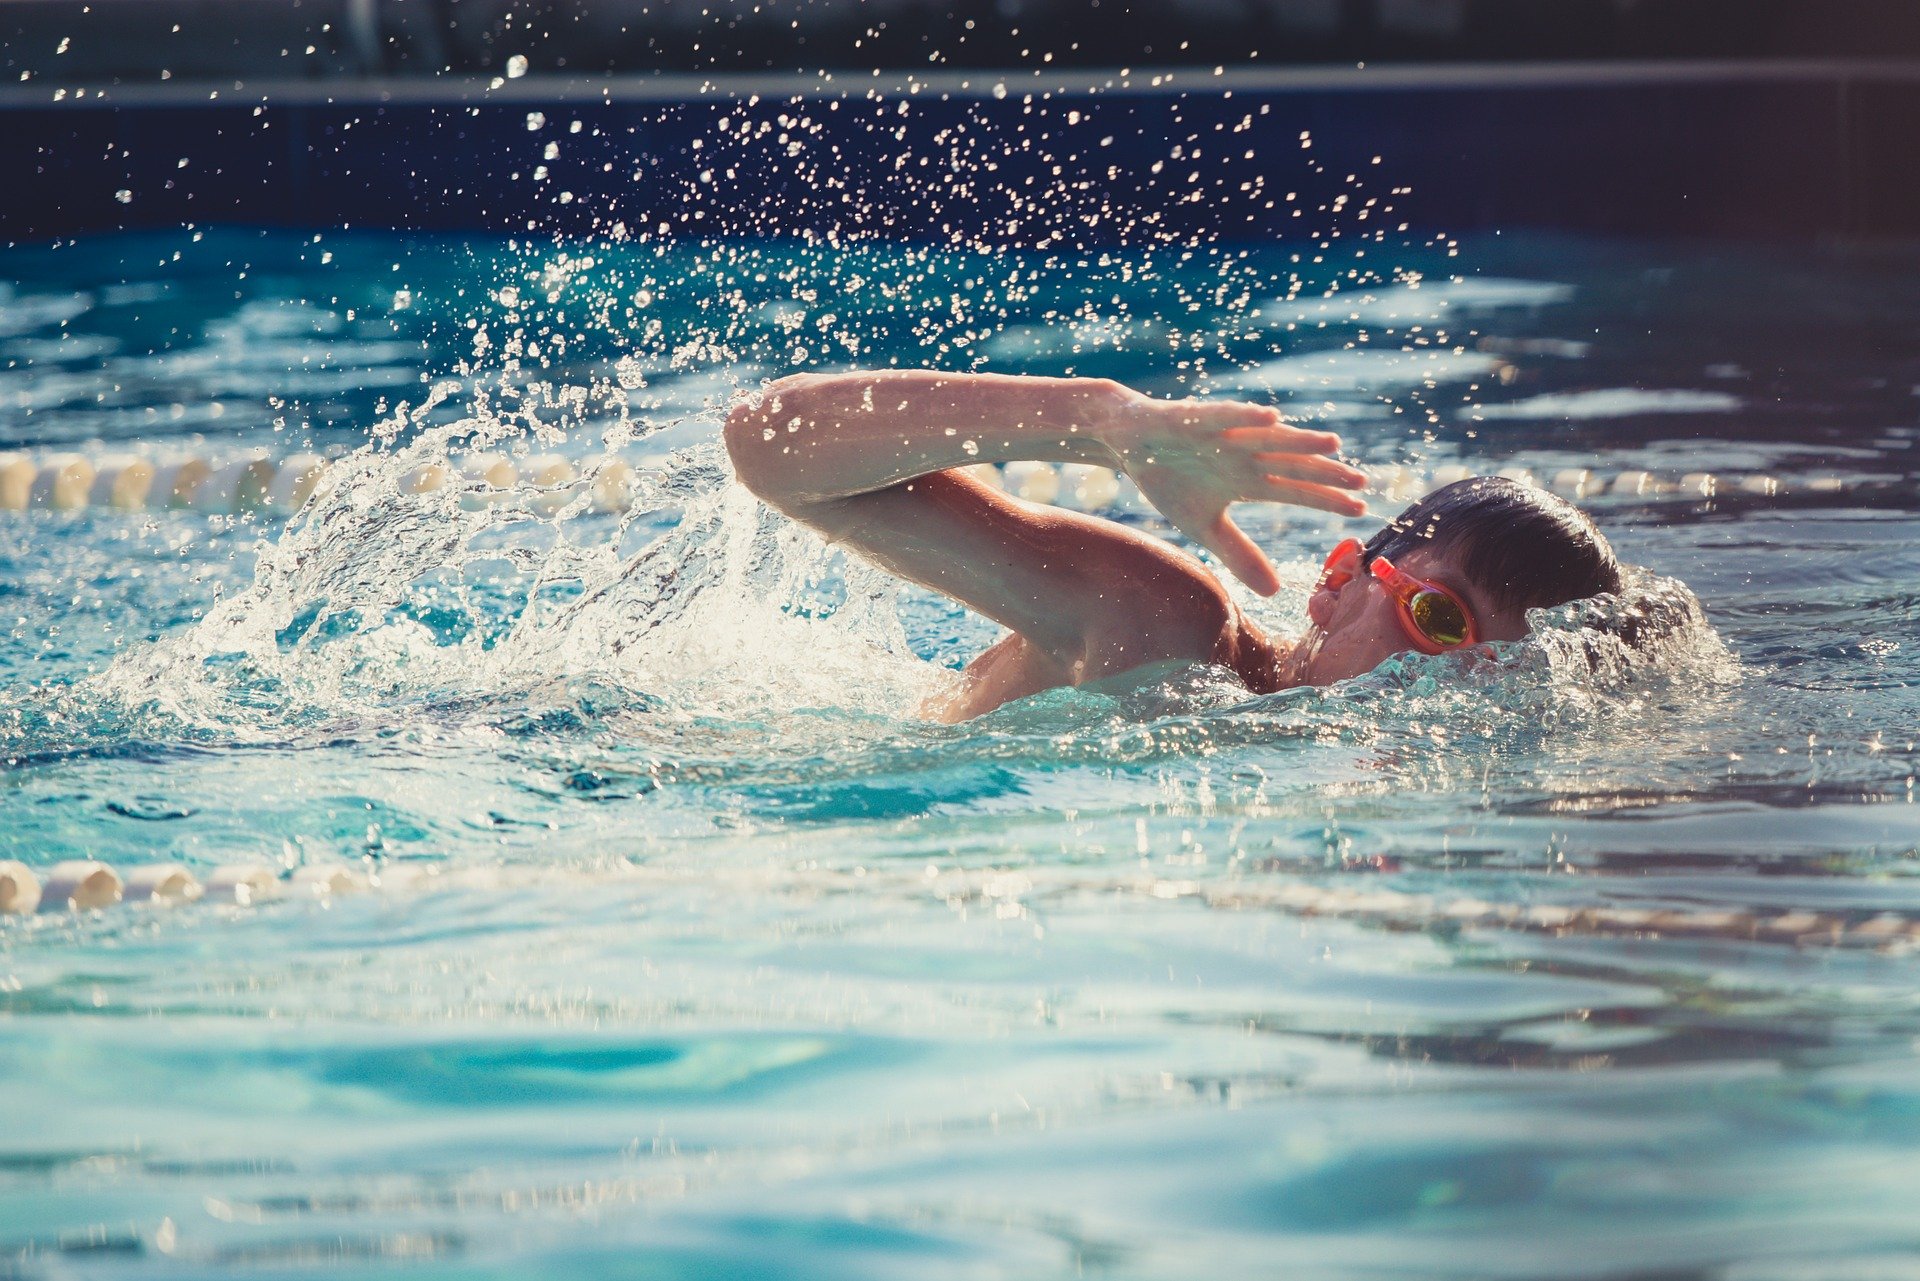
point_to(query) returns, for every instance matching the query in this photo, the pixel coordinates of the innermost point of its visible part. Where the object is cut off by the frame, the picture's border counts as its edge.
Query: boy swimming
(871, 461)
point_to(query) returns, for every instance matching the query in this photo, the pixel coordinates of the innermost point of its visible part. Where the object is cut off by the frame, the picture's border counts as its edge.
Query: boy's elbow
(742, 434)
(752, 442)
(748, 437)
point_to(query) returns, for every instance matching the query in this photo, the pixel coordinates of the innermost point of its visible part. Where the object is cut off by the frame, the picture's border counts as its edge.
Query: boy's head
(1464, 564)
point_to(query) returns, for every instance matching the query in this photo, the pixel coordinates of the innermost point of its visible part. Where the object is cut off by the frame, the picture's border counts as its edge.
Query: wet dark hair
(1522, 547)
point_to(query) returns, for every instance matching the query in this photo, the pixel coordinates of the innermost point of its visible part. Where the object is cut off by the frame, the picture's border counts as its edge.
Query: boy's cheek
(1353, 648)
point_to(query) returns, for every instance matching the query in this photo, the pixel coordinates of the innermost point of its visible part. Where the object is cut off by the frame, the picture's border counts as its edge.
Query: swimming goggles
(1433, 618)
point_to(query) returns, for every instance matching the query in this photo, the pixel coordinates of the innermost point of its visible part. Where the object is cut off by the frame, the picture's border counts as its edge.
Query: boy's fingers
(1248, 563)
(1281, 489)
(1283, 439)
(1231, 415)
(1312, 467)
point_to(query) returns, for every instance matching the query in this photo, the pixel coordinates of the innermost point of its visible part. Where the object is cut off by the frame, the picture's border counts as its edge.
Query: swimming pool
(692, 955)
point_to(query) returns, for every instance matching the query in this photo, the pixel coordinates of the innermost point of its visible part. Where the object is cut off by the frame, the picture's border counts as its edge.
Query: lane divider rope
(1394, 909)
(87, 885)
(255, 482)
(84, 885)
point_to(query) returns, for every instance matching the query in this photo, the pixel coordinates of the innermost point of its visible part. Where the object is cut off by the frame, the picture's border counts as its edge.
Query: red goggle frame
(1434, 619)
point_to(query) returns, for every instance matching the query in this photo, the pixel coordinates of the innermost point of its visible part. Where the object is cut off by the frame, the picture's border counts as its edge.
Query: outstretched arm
(865, 458)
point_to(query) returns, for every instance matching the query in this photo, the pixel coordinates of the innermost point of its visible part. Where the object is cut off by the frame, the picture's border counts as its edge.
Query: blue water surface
(696, 954)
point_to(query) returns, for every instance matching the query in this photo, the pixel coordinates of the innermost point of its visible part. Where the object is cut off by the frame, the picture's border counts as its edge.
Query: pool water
(727, 966)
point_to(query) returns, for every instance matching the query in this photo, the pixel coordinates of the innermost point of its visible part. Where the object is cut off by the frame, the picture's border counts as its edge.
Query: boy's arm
(865, 458)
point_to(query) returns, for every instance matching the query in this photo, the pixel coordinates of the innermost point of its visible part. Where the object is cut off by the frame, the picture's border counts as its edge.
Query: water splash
(382, 602)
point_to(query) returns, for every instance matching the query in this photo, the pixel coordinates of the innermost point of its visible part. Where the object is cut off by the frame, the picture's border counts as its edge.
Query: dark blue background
(1795, 154)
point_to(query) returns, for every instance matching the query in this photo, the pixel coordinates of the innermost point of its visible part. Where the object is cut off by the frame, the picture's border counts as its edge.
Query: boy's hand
(1192, 458)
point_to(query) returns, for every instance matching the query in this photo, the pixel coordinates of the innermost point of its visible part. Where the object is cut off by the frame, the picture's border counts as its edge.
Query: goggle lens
(1431, 615)
(1439, 618)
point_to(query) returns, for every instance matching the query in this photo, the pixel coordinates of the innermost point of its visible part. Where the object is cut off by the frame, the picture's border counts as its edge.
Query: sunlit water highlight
(749, 972)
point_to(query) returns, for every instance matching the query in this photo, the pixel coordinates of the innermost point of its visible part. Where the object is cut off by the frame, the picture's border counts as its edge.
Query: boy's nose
(1320, 606)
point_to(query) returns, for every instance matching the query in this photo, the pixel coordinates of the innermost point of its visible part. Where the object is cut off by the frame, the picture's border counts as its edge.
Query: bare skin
(869, 460)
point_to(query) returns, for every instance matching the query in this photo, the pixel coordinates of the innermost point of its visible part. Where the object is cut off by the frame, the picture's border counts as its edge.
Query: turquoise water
(728, 967)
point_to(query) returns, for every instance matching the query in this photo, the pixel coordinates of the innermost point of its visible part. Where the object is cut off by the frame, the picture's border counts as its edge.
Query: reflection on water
(730, 968)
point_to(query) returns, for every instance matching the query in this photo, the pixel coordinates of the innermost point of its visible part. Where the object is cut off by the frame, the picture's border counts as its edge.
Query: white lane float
(176, 481)
(122, 482)
(1633, 484)
(425, 478)
(1087, 487)
(163, 884)
(487, 479)
(19, 888)
(552, 476)
(62, 483)
(16, 481)
(294, 481)
(613, 487)
(239, 485)
(1573, 482)
(79, 885)
(1036, 482)
(986, 474)
(320, 880)
(242, 883)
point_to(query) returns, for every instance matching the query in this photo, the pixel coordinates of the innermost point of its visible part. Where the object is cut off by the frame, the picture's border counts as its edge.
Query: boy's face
(1357, 625)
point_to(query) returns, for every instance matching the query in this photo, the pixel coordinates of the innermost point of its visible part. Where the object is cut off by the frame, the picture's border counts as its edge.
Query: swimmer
(871, 461)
